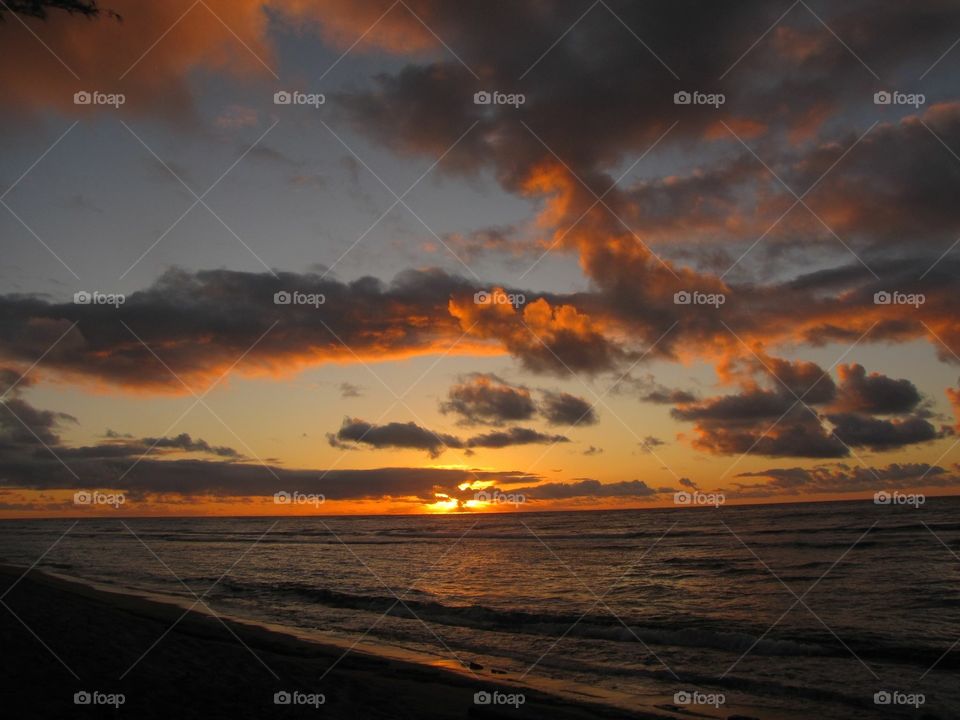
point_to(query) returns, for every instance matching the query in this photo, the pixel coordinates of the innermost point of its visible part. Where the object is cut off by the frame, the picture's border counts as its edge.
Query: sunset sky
(792, 203)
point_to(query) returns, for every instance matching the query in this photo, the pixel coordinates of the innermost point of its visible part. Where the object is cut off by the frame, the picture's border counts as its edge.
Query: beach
(615, 614)
(207, 669)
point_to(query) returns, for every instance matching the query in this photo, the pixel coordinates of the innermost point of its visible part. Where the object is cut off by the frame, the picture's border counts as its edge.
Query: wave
(679, 631)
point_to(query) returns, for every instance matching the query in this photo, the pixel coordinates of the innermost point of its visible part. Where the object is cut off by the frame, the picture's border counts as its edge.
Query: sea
(828, 610)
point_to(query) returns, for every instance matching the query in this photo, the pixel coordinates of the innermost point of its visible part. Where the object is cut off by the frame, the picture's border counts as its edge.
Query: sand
(201, 669)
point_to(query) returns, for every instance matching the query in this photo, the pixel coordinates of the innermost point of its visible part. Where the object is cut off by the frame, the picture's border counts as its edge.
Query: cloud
(650, 442)
(874, 393)
(409, 435)
(557, 339)
(513, 436)
(879, 434)
(349, 390)
(485, 398)
(140, 468)
(784, 421)
(205, 323)
(841, 478)
(183, 441)
(100, 51)
(393, 435)
(560, 408)
(587, 487)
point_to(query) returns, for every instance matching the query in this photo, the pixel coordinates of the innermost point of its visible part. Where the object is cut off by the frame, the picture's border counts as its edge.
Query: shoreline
(100, 635)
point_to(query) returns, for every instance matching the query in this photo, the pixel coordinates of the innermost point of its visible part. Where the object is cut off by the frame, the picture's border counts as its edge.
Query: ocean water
(811, 609)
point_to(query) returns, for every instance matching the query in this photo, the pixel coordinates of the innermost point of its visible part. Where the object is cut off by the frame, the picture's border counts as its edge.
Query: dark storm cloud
(560, 408)
(484, 397)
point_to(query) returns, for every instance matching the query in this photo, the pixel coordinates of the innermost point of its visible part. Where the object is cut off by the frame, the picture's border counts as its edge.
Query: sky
(488, 257)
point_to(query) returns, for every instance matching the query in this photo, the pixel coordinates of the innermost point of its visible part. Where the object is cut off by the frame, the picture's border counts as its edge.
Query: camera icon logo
(282, 298)
(481, 297)
(282, 97)
(882, 698)
(882, 498)
(682, 697)
(482, 698)
(882, 98)
(682, 498)
(482, 97)
(282, 697)
(282, 498)
(681, 297)
(82, 97)
(682, 98)
(882, 297)
(82, 298)
(82, 698)
(82, 497)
